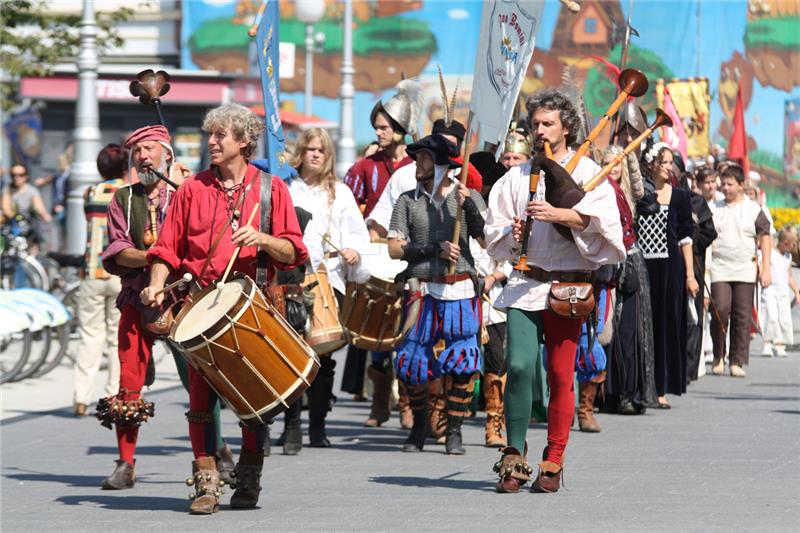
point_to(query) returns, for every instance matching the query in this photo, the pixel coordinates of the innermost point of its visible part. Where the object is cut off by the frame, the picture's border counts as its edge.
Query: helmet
(631, 115)
(404, 108)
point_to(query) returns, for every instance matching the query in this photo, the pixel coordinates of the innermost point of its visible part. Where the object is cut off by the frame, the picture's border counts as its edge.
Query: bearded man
(135, 215)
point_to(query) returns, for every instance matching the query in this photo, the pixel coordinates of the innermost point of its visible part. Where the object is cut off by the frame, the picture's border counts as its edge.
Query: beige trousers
(98, 319)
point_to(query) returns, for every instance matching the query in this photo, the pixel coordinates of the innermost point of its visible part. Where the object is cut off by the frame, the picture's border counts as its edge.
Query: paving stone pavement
(725, 458)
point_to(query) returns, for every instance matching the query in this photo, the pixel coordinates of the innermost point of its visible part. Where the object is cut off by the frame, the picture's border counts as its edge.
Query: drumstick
(187, 278)
(326, 239)
(236, 251)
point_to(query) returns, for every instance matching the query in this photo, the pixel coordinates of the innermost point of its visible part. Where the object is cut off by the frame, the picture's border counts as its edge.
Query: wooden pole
(462, 178)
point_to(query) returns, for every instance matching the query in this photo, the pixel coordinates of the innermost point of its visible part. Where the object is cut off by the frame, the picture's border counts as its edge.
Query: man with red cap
(213, 202)
(135, 215)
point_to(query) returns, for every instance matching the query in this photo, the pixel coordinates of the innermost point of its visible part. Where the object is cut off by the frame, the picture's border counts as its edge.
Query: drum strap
(264, 227)
(213, 249)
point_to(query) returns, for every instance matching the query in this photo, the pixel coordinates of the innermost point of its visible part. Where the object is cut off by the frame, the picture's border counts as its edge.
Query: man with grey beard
(135, 215)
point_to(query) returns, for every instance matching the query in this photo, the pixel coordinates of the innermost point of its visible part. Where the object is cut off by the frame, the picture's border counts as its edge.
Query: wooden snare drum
(325, 335)
(244, 349)
(372, 313)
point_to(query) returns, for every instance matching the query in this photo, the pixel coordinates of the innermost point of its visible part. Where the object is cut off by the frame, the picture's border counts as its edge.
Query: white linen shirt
(599, 244)
(343, 223)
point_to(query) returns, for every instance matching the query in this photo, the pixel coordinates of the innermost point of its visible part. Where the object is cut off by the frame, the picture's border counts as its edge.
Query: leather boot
(320, 394)
(247, 480)
(225, 464)
(586, 420)
(454, 443)
(419, 431)
(549, 477)
(292, 434)
(404, 406)
(207, 486)
(123, 476)
(382, 389)
(437, 401)
(493, 389)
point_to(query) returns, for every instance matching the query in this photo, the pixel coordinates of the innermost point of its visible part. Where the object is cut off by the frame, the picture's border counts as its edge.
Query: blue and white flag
(268, 53)
(505, 47)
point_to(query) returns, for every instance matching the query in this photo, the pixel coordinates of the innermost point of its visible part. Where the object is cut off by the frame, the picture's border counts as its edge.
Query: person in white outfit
(777, 298)
(334, 238)
(98, 315)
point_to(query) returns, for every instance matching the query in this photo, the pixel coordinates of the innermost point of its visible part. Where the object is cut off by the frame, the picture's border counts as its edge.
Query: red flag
(676, 135)
(737, 147)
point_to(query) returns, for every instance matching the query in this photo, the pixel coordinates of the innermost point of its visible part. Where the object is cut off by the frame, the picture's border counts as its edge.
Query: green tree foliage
(33, 39)
(599, 92)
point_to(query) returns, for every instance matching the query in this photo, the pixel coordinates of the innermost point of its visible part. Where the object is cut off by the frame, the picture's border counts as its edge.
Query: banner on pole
(505, 47)
(691, 101)
(267, 48)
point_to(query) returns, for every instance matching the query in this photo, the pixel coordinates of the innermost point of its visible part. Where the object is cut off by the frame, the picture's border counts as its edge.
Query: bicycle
(63, 271)
(15, 340)
(18, 268)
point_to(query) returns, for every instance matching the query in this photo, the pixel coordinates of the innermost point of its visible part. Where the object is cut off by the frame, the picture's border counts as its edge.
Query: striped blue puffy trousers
(457, 322)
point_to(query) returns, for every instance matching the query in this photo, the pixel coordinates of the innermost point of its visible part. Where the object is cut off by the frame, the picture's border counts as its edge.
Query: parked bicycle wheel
(51, 344)
(58, 350)
(15, 341)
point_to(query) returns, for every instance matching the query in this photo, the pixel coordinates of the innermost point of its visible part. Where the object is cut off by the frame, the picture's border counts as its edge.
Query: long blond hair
(625, 177)
(327, 178)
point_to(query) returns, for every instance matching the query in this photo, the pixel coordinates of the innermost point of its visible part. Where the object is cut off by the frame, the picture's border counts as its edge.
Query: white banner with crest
(505, 47)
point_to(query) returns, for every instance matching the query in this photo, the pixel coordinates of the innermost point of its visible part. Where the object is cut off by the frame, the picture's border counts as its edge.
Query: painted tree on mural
(599, 90)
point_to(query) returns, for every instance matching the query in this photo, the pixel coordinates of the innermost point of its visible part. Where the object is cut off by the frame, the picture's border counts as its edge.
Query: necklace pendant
(234, 225)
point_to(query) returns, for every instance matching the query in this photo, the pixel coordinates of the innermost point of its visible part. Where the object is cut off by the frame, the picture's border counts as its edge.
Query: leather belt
(448, 279)
(568, 276)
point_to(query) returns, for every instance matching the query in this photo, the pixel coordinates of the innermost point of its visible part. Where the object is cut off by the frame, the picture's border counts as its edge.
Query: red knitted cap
(148, 133)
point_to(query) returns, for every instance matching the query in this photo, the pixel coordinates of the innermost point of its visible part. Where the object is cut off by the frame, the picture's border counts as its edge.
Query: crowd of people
(515, 287)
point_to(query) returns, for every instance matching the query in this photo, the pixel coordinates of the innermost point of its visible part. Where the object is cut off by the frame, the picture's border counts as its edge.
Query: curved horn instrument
(149, 87)
(662, 119)
(631, 83)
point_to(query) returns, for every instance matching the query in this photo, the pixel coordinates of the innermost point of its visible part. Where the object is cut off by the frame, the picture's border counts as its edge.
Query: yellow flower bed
(785, 215)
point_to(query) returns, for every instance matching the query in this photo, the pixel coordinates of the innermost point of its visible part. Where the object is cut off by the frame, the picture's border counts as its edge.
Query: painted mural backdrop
(752, 42)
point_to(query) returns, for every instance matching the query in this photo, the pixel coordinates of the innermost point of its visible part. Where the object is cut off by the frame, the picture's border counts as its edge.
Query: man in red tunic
(135, 217)
(392, 122)
(223, 196)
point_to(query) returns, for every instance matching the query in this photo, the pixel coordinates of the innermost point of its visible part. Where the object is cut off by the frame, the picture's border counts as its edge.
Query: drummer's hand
(463, 193)
(246, 235)
(150, 297)
(349, 255)
(516, 229)
(449, 251)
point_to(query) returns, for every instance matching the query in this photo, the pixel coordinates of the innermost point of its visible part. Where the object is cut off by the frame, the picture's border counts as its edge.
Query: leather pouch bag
(290, 302)
(571, 299)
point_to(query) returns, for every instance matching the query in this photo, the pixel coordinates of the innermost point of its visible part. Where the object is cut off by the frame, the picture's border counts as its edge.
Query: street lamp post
(346, 142)
(87, 132)
(310, 11)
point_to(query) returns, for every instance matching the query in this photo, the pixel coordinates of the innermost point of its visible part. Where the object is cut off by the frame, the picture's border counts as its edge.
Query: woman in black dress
(630, 385)
(665, 236)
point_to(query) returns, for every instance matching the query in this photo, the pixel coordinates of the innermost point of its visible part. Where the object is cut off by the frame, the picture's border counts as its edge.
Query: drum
(244, 349)
(372, 314)
(325, 335)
